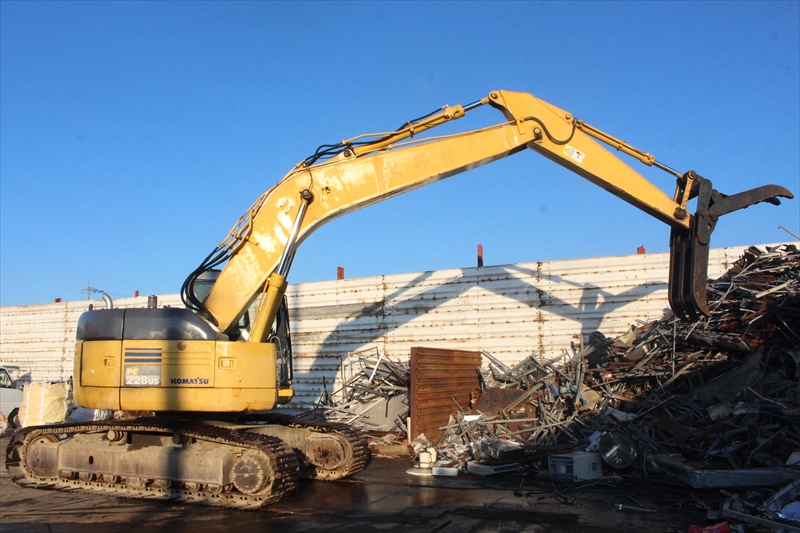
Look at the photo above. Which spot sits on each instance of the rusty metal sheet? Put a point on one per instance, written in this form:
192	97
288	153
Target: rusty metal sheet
506	403
439	379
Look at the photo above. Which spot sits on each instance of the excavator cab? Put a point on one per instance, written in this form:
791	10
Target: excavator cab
279	334
202	287
281	337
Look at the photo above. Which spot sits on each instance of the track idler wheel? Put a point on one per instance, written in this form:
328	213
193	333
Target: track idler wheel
250	474
41	456
326	453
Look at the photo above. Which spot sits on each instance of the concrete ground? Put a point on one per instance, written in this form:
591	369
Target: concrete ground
382	498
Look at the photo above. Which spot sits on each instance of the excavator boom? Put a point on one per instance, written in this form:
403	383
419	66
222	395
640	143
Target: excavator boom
260	248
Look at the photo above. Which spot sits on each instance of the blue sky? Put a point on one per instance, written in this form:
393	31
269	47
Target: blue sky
134	134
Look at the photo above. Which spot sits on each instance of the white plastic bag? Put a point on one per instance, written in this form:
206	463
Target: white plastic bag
82	414
43	404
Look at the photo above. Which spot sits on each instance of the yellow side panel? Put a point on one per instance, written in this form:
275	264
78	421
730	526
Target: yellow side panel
141	375
237	376
169	363
99	364
96	397
248	365
197	399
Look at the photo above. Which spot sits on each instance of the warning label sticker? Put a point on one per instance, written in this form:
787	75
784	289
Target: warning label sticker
574	154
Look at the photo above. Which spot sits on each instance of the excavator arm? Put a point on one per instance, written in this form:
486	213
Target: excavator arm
368	169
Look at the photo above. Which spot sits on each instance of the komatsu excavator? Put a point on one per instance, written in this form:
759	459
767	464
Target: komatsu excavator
212	370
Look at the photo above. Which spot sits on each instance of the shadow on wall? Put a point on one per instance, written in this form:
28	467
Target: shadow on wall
594	304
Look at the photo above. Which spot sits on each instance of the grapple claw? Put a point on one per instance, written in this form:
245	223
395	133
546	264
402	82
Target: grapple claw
689	249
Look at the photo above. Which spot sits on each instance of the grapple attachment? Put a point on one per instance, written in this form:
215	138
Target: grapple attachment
689	249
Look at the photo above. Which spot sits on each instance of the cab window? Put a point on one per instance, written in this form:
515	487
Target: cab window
5	380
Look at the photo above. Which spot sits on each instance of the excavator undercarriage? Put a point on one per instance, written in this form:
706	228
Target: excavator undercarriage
244	466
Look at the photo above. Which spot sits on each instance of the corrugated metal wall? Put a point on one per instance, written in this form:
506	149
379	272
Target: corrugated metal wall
510	311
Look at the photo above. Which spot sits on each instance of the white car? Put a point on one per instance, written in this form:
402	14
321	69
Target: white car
10	399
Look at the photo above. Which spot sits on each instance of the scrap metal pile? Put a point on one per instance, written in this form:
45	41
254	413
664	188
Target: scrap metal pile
714	403
721	392
374	395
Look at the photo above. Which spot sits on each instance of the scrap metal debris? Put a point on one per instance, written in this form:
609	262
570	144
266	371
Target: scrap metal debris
374	396
713	403
720	393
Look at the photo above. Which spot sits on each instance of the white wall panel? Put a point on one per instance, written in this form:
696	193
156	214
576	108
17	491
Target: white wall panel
510	311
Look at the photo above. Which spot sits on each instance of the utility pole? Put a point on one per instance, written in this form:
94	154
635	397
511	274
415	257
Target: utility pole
89	290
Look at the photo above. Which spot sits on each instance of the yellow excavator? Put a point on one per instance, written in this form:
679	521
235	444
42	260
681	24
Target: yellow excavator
212	371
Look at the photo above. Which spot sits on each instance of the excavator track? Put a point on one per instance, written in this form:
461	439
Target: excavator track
357	454
264	469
